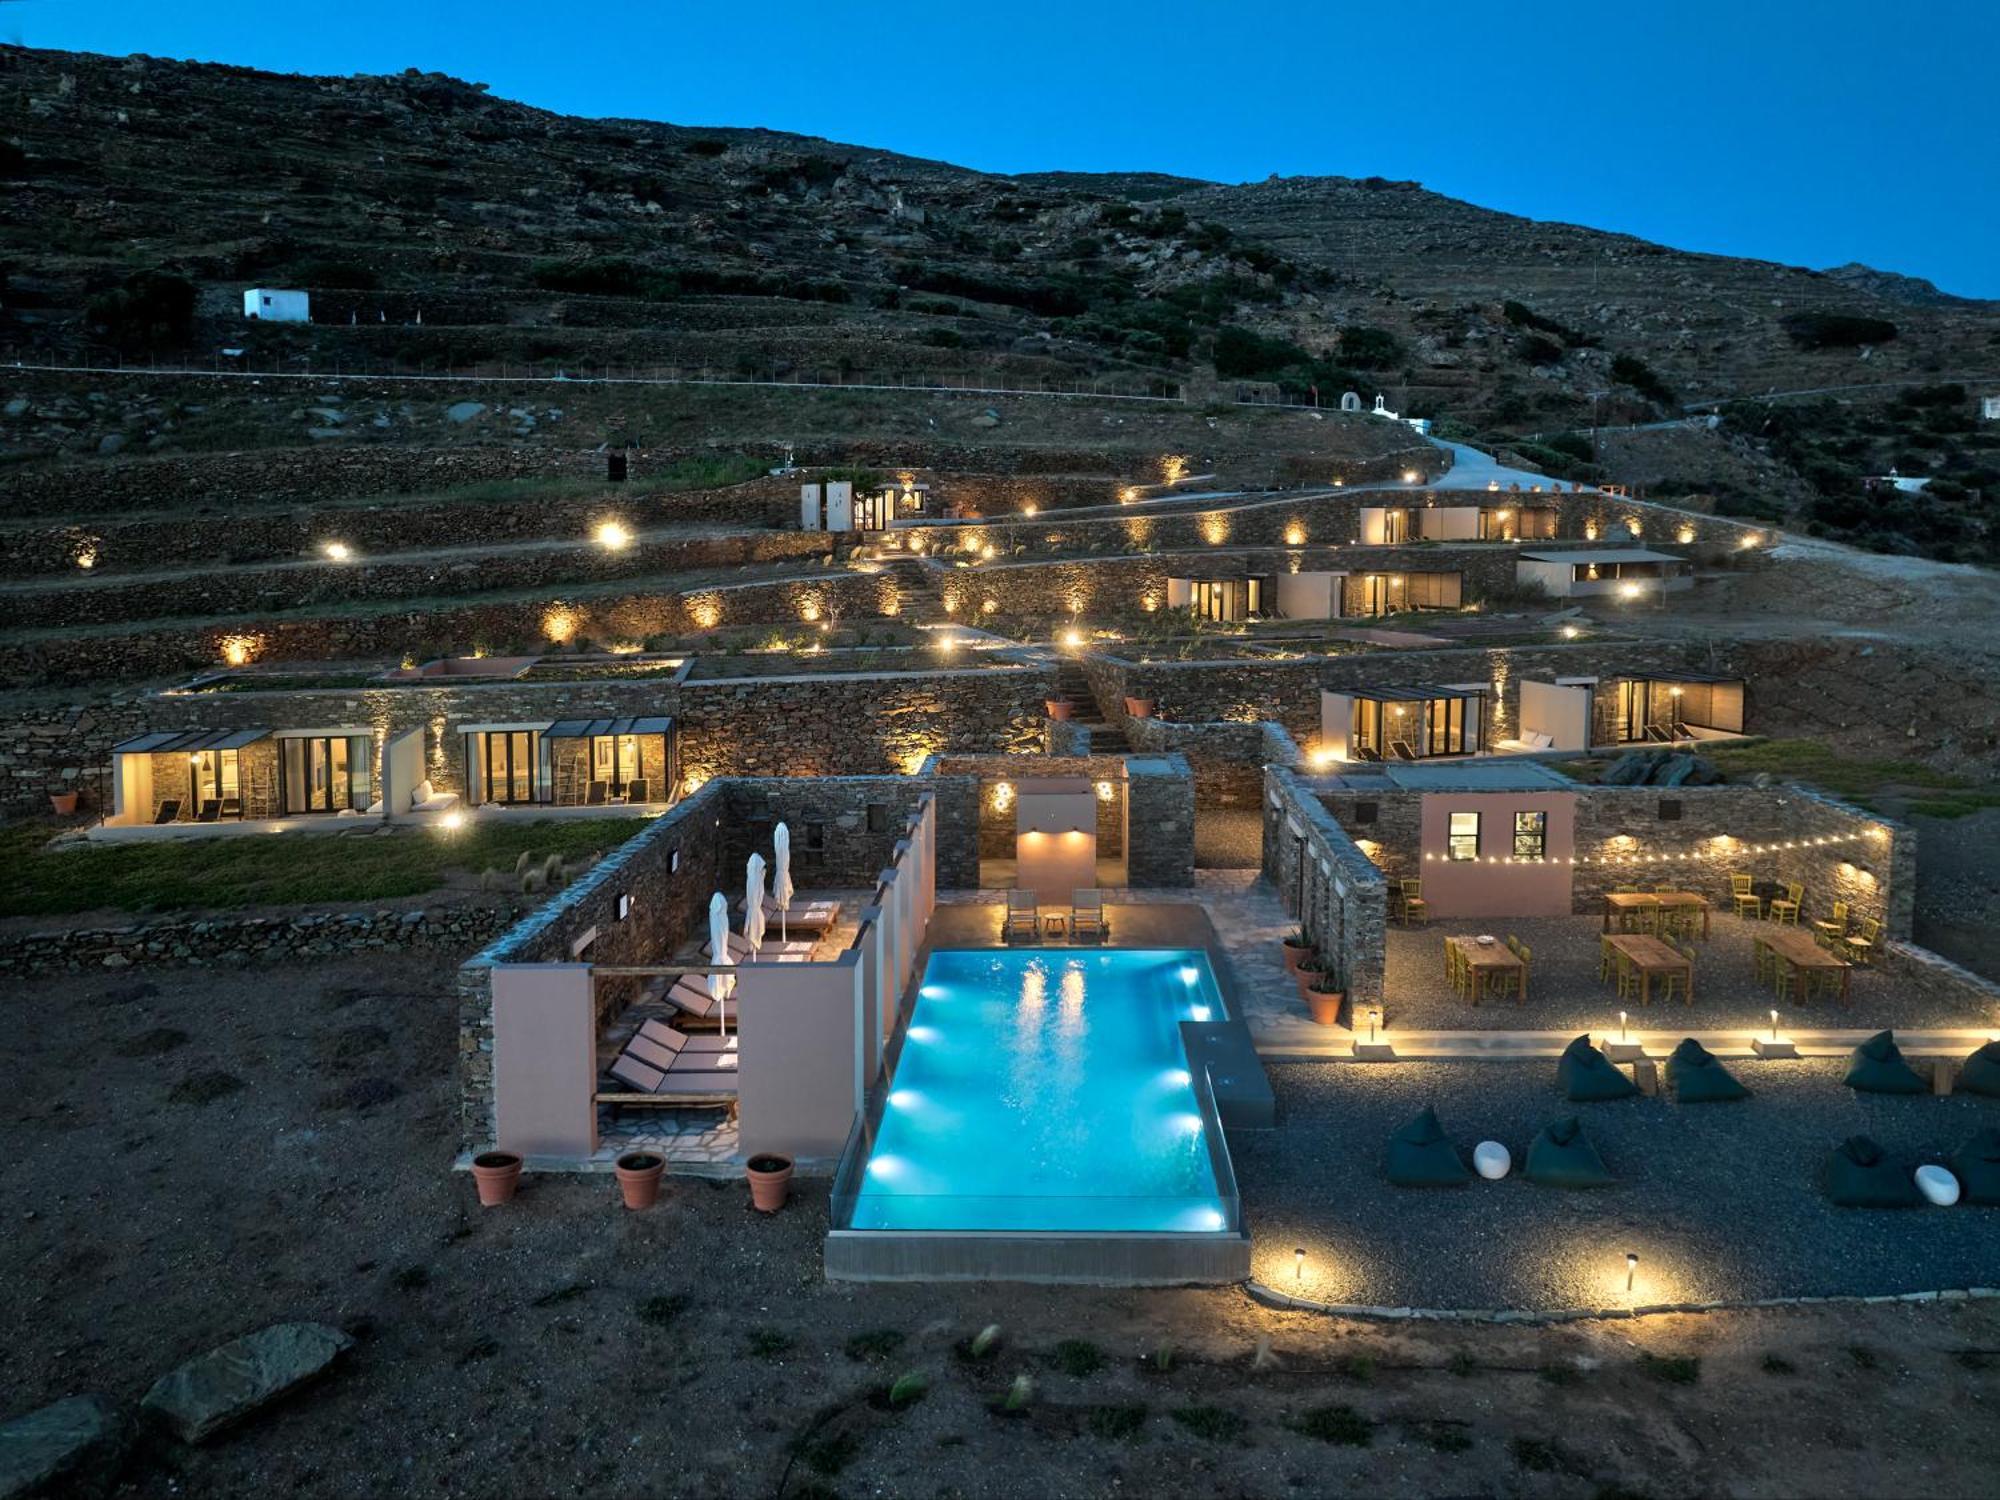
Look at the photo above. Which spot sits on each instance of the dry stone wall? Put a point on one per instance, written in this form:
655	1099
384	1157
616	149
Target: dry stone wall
1327	882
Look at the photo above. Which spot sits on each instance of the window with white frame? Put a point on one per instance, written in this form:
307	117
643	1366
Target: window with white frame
1462	836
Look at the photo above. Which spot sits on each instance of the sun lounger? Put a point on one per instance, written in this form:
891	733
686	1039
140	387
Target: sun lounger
1402	750
211	810
803	916
170	810
635	790
660	1031
1087	915
660	1072
596	794
1024	916
769	952
688	994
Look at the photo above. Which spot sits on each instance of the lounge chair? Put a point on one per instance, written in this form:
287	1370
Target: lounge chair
170	811
1024	917
804	916
597	792
688	994
661	1033
1087	915
635	790
769	951
210	810
665	1070
1402	750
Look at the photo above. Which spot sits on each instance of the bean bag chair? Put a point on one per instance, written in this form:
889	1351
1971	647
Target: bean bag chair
1421	1155
1980	1073
1697	1078
1586	1076
1878	1068
1562	1156
1860	1175
1976	1165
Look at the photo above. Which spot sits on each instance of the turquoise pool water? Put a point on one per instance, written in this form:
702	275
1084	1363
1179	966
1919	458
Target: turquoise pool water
1047	1089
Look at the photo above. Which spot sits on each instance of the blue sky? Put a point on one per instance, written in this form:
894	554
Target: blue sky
1806	131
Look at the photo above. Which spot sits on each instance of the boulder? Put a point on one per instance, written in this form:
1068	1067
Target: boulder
243	1376
464	411
72	1447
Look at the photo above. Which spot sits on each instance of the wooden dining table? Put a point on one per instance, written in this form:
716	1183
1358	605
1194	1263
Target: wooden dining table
1616	902
1487	959
1798	948
1650	956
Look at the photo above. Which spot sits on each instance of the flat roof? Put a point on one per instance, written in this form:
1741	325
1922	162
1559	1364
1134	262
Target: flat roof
1605	555
581	729
1407	694
1675	677
1497	775
165	741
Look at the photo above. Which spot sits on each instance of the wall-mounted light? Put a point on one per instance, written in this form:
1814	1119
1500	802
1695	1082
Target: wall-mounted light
1104	791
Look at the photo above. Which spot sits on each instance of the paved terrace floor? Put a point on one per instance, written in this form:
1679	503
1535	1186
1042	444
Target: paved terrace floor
1719	1201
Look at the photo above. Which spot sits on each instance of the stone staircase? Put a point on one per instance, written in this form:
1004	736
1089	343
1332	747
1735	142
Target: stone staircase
916	592
1105	738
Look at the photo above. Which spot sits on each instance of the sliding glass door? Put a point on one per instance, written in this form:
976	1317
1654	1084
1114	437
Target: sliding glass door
324	773
507	761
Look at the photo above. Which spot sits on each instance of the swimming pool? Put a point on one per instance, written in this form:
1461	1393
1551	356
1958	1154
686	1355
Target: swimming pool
1047	1090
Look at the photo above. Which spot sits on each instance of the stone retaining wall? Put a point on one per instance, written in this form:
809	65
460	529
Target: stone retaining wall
234	941
1340	899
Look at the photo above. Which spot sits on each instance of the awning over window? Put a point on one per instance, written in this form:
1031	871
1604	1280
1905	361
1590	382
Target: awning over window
188	740
586	729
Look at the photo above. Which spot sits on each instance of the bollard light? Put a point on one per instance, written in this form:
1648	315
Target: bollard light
1299	1265
1621	1025
1774	1025
1631	1269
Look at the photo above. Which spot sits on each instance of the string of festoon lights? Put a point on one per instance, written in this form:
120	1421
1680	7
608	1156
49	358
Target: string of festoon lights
1726	847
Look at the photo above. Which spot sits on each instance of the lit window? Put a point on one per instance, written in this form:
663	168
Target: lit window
1464	836
1531	835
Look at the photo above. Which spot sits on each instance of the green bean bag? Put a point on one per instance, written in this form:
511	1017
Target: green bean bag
1980	1073
1878	1068
1562	1156
1586	1076
1859	1174
1976	1165
1697	1078
1421	1155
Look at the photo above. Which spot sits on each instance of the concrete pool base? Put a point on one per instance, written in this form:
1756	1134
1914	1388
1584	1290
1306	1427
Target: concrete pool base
1066	1259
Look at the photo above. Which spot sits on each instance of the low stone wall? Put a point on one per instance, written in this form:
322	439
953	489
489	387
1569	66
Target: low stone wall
1156	804
218	593
1227	760
234	941
1340	899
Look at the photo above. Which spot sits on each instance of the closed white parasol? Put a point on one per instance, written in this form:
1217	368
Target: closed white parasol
781	874
721	986
753	903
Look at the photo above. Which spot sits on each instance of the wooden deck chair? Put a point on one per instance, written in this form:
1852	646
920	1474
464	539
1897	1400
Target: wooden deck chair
210	811
635	790
1402	750
170	811
1087	915
595	794
1024	917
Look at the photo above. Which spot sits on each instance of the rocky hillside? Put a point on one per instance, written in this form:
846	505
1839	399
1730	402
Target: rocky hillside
437	226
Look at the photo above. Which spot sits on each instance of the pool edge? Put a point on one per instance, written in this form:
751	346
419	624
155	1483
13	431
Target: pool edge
1067	1258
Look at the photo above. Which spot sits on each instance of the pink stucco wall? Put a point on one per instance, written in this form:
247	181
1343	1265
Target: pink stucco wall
1491	886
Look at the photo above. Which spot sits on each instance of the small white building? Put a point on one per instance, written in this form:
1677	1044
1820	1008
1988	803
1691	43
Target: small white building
273	305
1989	408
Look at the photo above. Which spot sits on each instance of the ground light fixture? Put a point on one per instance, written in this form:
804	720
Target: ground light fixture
1299	1265
1774	1025
1411	476
451	822
612	537
1621	1025
1072	638
337	551
1374	1021
1631	1268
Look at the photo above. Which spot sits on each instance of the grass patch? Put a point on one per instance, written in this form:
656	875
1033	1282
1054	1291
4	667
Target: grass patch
1538	1455
1808	760
1213	1424
1673	1369
411	1278
1079	1358
1864	1357
235	872
204	1088
1954	804
1444	1436
1777	1364
830	1454
878	1343
1115	1423
1462	1364
1561	1375
1359	1368
767	1343
1337	1424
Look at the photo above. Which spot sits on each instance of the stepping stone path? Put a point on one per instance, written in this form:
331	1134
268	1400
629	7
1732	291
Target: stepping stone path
227	1384
71	1447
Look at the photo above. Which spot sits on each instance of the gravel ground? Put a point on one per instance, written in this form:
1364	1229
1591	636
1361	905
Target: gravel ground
1228	839
1565	994
1719	1201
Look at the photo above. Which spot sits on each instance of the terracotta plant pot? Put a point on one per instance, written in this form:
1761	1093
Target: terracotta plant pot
1326	1006
770	1181
1058	708
496	1174
639	1175
63	803
1295	954
1139	708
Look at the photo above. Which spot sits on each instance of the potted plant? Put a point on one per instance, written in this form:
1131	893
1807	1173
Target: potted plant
1296	950
639	1175
1139	708
770	1175
1326	997
63	803
496	1174
1058	708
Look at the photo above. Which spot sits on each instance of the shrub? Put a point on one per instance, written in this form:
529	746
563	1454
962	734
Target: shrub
1828	330
1537	350
1369	348
148	310
1078	1358
1337	1424
1629	370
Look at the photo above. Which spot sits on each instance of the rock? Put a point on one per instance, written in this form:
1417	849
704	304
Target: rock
73	1446
111	442
225	1385
17	407
464	411
116	961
